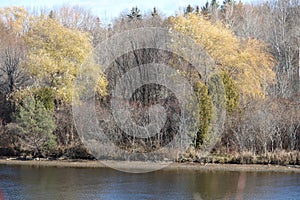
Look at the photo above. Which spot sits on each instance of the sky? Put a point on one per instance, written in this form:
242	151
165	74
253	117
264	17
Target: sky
107	10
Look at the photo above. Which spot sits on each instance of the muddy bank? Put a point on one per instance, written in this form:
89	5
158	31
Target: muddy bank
150	165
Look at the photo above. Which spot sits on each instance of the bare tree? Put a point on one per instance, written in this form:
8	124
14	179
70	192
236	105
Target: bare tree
12	55
277	23
13	75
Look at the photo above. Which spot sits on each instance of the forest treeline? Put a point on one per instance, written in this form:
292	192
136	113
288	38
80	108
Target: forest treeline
255	49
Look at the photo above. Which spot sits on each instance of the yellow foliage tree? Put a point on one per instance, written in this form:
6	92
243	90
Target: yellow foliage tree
15	19
56	54
247	61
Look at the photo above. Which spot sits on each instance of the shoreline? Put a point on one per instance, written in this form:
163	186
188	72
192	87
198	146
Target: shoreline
152	165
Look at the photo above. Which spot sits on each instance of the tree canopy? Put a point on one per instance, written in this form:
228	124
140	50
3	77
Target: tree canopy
253	50
247	61
55	55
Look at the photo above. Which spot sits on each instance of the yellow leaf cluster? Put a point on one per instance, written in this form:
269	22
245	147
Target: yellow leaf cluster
55	54
247	61
14	18
90	82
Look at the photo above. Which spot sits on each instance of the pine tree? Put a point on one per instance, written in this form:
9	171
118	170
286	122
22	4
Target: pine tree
226	4
205	9
34	125
154	12
134	14
51	15
189	9
197	10
214	4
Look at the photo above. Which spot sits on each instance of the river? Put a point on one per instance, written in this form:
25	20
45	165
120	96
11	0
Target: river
25	182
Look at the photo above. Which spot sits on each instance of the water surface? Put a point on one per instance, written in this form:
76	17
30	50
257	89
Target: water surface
25	182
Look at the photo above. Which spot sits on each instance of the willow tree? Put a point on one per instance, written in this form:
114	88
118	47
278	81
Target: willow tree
243	65
247	61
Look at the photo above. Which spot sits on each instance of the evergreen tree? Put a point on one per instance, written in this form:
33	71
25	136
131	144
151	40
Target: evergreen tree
154	12
232	93
51	14
214	4
134	14
205	112
226	4
205	9
189	9
197	10
34	125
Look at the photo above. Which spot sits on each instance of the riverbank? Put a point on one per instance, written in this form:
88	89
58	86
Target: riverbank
149	165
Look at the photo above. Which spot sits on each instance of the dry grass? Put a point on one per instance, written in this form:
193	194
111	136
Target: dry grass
278	157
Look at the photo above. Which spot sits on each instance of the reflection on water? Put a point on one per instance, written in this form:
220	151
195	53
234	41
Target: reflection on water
23	182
